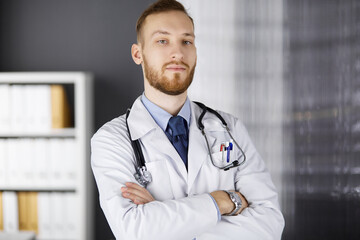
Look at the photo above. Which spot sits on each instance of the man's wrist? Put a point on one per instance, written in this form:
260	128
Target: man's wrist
235	198
226	205
223	201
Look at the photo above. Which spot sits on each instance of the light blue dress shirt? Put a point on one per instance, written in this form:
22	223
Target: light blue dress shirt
161	116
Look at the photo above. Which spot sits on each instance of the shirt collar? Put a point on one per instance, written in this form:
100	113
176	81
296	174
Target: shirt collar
161	116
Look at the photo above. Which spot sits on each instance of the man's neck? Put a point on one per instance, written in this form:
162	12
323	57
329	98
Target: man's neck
171	104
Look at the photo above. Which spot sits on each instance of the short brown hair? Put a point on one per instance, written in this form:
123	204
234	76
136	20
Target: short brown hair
158	7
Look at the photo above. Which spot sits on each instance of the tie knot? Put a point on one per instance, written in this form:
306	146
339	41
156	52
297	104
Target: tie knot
177	125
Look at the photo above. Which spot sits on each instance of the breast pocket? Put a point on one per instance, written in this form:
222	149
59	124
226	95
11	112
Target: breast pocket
160	187
218	178
221	158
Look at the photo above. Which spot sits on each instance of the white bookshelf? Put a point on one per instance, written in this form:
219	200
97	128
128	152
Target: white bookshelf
79	136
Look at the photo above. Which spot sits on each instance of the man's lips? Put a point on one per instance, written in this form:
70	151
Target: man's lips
175	68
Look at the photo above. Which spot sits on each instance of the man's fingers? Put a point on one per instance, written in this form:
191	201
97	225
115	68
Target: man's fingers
134	198
136	193
145	193
142	192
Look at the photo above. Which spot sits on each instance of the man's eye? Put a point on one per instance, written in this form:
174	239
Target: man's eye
162	41
187	42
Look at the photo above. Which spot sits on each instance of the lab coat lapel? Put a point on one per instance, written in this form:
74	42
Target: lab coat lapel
158	141
198	150
142	125
140	121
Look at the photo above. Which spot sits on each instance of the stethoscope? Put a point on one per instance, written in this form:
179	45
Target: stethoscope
143	176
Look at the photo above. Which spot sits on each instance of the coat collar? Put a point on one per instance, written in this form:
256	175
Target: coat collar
140	121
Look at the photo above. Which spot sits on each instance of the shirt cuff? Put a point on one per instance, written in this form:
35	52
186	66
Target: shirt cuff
217	208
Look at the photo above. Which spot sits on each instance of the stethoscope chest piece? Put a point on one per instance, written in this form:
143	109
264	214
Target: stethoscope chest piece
143	176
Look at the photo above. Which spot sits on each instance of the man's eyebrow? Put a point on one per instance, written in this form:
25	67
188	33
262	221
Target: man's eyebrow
160	32
167	33
189	35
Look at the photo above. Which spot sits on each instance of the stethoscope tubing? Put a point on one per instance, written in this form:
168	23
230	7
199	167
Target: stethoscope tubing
201	126
144	177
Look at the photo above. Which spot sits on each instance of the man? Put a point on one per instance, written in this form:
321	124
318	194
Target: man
186	198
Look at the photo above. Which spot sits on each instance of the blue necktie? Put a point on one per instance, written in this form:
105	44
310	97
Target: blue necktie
179	136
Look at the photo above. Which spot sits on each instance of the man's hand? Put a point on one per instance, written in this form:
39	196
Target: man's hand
136	193
225	204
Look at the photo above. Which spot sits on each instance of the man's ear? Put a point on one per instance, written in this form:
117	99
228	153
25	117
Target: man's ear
136	53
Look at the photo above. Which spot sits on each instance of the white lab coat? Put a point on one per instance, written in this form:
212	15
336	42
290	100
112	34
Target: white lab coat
183	208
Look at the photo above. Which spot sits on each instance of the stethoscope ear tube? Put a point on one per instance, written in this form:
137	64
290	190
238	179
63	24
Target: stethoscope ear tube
140	160
201	126
204	110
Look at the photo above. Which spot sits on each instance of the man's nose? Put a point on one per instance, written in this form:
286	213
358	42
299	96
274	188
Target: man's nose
177	52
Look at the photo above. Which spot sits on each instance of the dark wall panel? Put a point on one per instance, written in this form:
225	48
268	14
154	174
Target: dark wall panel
323	68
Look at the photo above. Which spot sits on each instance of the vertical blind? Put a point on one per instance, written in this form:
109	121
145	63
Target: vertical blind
240	69
290	70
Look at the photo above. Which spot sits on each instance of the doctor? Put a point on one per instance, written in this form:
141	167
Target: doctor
188	196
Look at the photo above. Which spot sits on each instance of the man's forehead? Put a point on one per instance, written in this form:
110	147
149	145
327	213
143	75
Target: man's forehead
167	23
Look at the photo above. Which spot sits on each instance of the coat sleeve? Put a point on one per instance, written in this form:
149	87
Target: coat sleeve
263	218
112	163
254	181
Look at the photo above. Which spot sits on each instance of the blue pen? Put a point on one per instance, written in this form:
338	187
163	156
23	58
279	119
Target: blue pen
229	148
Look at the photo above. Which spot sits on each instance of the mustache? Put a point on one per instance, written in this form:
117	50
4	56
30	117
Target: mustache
176	63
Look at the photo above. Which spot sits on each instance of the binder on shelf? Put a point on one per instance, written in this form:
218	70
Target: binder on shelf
3	162
30	105
42	162
23	211
5	107
1	213
13	162
17	101
71	216
33	212
56	154
69	163
42	110
10	212
28	214
58	214
25	162
44	217
60	109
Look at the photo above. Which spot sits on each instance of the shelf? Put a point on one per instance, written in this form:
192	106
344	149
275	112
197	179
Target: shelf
37	189
55	133
53	163
21	235
41	77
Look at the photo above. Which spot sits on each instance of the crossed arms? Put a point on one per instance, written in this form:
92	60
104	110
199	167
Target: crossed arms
133	213
139	195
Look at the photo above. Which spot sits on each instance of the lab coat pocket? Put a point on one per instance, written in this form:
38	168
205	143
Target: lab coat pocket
220	158
160	187
217	158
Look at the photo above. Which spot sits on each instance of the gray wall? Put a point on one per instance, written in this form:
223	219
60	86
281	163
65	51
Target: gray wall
322	69
82	35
